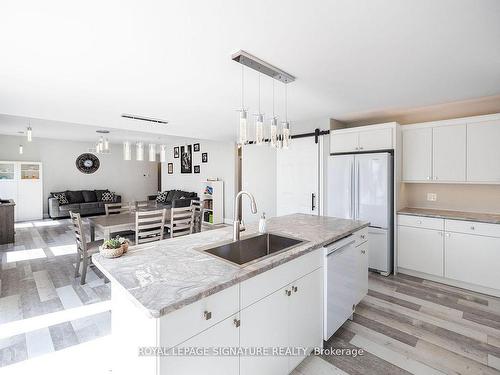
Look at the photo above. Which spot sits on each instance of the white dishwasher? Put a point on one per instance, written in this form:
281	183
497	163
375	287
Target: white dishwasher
340	284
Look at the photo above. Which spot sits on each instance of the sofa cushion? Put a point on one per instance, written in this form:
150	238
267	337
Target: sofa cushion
61	198
90	205
89	196
178	194
75	207
75	196
99	193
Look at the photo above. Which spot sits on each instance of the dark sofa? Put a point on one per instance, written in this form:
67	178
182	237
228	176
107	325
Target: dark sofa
86	202
177	198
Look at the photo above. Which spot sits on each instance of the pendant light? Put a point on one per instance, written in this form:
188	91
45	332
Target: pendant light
259	124
127	151
273	139
285	130
163	153
29	132
139	151
152	152
106	145
21	149
243	138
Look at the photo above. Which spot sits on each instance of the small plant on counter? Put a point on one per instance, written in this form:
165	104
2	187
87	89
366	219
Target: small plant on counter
114	247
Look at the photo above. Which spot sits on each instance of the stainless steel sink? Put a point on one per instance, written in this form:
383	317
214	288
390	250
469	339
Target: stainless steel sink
253	248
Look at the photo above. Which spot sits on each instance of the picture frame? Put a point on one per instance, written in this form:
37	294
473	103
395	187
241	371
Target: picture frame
186	159
204	157
196	169
196	147
176	152
170	168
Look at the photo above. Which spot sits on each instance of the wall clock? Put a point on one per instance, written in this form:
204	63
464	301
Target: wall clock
87	163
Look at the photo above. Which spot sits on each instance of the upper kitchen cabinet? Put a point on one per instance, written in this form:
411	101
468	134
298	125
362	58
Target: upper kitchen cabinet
363	138
483	152
449	153
417	154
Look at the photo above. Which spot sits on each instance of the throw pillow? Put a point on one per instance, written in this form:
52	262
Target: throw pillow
99	194
108	196
89	196
61	198
162	197
75	196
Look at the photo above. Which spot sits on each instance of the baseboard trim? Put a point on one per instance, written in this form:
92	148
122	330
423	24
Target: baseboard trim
458	284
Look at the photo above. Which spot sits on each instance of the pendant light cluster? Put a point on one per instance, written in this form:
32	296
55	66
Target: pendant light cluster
29	137
277	136
140	149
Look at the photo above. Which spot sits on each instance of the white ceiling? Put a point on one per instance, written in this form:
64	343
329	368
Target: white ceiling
88	62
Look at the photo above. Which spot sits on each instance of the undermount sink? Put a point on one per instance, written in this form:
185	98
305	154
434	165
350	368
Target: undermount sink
253	248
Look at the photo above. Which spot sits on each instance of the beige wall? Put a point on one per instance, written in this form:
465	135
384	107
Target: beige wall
464	197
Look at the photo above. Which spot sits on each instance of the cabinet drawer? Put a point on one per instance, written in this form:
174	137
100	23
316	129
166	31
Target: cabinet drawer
360	237
421	222
471	227
270	281
184	323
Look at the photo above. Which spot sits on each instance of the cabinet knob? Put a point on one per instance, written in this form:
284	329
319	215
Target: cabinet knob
295	289
448	235
207	315
237	322
473	227
419	221
428	177
363	251
363	236
288	293
361	148
357	148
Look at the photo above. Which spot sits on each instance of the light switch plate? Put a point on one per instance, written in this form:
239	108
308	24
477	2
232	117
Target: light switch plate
431	197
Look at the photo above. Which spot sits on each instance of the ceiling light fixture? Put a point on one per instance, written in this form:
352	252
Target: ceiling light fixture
163	153
29	132
21	149
144	118
139	151
127	151
278	137
152	152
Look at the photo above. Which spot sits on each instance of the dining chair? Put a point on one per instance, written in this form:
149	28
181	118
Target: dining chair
149	226
196	207
84	249
181	221
117	208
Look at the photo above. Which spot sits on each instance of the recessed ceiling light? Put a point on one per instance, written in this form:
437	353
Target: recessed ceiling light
144	118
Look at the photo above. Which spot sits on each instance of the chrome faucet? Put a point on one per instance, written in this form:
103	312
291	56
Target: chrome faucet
237	222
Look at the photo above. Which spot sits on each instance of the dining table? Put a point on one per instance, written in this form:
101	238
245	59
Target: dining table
114	223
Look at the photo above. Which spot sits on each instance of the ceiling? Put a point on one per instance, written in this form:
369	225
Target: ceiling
88	62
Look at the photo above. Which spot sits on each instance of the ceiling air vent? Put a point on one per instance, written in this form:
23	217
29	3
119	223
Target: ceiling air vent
144	118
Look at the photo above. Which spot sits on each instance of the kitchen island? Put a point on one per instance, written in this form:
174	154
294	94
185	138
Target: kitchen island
172	294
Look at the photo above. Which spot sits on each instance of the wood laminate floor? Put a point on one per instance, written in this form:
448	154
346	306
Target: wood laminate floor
405	325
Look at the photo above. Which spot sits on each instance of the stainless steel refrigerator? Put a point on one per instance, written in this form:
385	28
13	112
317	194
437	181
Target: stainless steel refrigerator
360	187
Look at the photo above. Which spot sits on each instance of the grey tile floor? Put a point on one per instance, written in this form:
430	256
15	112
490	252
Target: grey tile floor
405	325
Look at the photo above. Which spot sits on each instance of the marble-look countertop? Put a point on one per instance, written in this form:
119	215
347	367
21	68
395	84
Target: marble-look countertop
169	274
454	215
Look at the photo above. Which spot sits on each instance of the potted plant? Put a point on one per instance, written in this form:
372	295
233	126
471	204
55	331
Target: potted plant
114	247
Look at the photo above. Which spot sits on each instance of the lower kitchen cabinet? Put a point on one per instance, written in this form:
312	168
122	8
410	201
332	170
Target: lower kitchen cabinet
421	250
224	334
473	259
362	274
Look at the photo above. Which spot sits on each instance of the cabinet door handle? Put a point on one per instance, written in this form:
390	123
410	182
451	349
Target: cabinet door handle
473	227
419	221
363	251
207	315
448	235
288	293
363	236
295	289
237	322
313	202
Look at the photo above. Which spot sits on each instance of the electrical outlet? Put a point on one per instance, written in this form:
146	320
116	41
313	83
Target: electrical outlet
431	197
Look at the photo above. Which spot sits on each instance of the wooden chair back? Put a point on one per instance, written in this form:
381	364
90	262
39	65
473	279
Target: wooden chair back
81	242
196	207
181	221
149	226
117	208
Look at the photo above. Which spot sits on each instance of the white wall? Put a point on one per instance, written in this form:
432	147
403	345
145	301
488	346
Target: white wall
259	178
221	164
132	180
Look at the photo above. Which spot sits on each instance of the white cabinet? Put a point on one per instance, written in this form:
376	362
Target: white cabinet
473	259
222	335
417	154
363	138
265	324
483	152
22	182
305	314
448	153
362	272
421	250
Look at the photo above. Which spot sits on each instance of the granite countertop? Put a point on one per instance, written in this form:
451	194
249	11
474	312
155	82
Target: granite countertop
454	215
169	274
